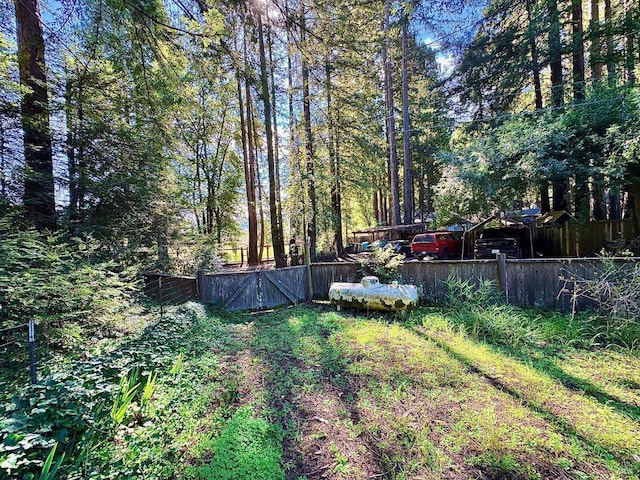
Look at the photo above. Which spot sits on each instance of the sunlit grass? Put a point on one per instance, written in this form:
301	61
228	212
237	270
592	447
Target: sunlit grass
425	409
441	394
597	423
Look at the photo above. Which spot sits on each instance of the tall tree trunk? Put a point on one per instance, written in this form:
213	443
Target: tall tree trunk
406	125
615	212
630	64
249	170
253	134
394	180
535	63
312	228
611	62
599	208
581	176
595	57
431	183
560	184
3	167
336	209
421	192
39	192
72	166
555	55
297	204
545	201
276	142
277	237
578	51
376	207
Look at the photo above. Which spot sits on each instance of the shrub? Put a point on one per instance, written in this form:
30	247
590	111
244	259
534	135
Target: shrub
383	264
614	293
60	284
82	406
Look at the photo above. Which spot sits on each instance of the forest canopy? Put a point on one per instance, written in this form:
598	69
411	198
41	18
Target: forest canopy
162	131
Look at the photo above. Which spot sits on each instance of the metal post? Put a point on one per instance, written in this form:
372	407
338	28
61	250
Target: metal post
32	351
161	296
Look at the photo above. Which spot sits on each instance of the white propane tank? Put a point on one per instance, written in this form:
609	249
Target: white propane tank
373	295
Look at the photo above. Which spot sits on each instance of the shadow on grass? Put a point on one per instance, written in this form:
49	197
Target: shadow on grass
566	427
293	343
544	360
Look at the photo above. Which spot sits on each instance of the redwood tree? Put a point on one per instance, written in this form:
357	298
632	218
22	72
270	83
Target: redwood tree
39	199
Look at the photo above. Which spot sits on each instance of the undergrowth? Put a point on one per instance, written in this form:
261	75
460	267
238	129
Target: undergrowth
247	448
123	413
477	308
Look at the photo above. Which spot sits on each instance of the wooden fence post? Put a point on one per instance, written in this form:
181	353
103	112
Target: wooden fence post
307	262
200	282
161	296
501	270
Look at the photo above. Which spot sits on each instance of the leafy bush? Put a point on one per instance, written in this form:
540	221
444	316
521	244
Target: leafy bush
83	405
189	258
59	283
383	264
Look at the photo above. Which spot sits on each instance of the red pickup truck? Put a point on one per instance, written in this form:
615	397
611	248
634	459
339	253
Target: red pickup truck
436	244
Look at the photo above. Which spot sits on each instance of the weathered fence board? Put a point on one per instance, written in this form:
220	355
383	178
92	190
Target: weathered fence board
430	277
168	289
324	274
530	282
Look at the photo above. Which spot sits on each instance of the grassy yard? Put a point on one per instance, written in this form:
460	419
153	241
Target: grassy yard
310	393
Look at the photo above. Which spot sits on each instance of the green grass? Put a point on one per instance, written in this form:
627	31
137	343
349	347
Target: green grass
305	392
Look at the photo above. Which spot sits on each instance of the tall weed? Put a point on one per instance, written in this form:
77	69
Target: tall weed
613	295
478	309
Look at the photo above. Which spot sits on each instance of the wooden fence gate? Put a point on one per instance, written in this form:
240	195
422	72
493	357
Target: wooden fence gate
256	290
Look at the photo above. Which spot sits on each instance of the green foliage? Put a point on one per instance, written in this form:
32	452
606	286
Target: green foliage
247	448
68	406
190	254
614	294
504	162
478	310
383	264
60	284
49	469
465	293
124	396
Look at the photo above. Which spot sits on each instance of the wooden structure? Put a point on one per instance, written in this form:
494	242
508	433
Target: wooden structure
254	290
168	289
541	283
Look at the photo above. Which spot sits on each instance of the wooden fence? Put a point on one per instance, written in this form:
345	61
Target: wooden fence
255	290
540	283
167	289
